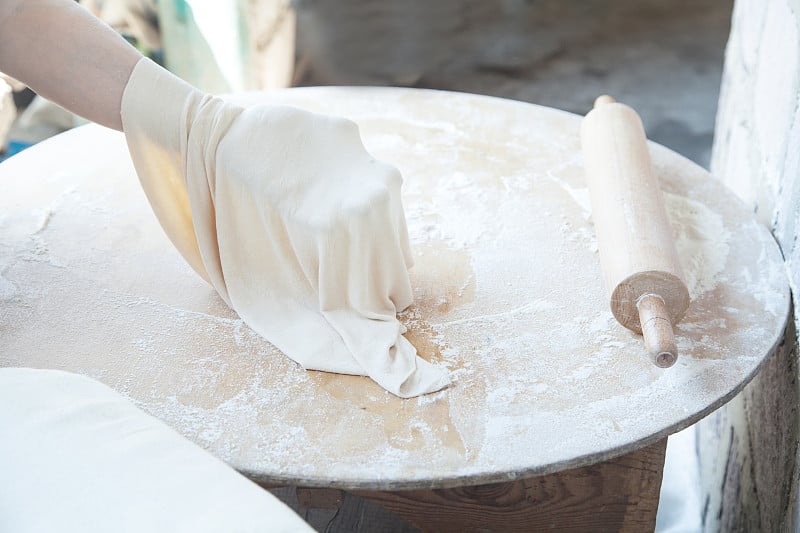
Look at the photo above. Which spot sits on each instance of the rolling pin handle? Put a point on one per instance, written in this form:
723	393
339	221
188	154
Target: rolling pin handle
604	99
659	339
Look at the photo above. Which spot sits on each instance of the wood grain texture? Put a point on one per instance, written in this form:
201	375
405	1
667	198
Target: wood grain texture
659	339
620	495
749	449
320	498
353	515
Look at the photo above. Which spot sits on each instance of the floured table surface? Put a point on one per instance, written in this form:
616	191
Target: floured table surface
508	292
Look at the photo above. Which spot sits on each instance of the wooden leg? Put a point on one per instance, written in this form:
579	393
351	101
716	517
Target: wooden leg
319	498
620	495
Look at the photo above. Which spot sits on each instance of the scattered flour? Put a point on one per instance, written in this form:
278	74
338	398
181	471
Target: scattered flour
7	289
702	242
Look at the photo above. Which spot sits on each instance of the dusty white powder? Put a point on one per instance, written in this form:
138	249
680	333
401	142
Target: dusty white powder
7	289
701	239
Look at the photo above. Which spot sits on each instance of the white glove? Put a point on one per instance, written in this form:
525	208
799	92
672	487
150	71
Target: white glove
297	227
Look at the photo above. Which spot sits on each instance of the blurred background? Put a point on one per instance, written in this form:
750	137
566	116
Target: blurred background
663	58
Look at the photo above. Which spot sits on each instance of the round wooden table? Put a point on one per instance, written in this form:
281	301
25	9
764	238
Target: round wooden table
508	297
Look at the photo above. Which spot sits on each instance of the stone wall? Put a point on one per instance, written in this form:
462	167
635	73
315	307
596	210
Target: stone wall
749	449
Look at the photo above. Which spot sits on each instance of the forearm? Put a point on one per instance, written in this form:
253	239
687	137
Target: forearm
66	55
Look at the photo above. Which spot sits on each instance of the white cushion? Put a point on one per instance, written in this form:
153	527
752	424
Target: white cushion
77	456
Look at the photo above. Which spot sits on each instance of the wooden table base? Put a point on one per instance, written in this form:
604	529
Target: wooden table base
620	495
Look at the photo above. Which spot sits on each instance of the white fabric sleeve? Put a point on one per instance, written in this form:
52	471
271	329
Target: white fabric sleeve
75	456
291	220
156	127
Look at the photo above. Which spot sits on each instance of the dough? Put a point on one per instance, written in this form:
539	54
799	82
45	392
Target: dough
290	219
77	456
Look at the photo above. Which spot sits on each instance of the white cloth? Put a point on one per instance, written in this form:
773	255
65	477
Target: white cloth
680	506
75	456
297	227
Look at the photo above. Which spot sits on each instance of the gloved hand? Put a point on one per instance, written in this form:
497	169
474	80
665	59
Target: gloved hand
292	221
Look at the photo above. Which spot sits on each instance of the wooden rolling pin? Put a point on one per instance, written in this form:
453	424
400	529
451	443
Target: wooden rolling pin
640	264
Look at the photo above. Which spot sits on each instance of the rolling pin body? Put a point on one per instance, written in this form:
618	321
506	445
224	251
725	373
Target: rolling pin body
638	257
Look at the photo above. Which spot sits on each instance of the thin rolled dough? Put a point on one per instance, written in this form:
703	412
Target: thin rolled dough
286	214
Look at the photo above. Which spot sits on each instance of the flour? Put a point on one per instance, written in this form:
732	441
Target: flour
7	289
701	240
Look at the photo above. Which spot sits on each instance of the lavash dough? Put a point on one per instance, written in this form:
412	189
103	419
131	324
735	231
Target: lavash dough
291	220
